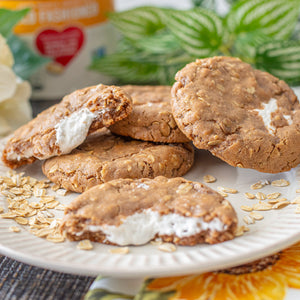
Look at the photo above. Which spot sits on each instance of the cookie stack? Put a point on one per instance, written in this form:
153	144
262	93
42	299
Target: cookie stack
124	148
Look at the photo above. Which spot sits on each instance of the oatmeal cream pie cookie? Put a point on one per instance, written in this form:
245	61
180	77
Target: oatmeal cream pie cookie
134	212
104	157
64	126
151	118
246	117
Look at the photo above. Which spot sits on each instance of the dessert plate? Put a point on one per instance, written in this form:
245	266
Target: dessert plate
277	230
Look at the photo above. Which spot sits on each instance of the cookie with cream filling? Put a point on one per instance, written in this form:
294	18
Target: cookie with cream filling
62	127
134	212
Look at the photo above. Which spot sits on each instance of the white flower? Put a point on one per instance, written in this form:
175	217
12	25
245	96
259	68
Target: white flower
15	109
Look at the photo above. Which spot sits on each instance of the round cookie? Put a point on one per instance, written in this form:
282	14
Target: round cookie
151	118
104	157
244	116
62	127
133	212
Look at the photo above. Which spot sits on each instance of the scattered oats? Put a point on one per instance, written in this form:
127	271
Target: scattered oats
52	204
60	207
54	224
120	250
61	192
44	232
1	209
84	245
262	206
55	238
281	199
14	229
256	216
296	200
47	199
273	195
37	192
48	214
260	196
17	191
273	201
32	221
281	204
55	187
42	219
256	186
223	193
227	190
8	215
37	205
246	208
33	212
21	221
167	247
7	194
248	220
249	195
280	183
239	231
209	178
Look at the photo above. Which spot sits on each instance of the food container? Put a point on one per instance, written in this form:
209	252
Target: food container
69	32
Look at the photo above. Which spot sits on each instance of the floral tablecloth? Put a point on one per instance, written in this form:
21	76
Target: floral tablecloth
275	277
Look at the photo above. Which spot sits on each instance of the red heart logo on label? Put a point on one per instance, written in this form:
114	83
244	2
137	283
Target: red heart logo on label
61	46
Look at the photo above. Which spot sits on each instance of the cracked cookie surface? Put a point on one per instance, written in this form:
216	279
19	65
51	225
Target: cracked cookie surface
62	127
151	118
104	157
244	116
133	212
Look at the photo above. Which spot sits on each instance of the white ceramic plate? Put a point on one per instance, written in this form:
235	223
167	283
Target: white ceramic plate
278	229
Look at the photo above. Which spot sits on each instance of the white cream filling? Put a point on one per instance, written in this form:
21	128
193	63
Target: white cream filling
266	112
140	228
143	186
72	130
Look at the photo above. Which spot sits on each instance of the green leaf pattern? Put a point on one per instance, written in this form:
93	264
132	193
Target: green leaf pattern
158	42
199	31
280	58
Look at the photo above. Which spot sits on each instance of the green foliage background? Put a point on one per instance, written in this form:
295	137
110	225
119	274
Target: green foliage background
157	42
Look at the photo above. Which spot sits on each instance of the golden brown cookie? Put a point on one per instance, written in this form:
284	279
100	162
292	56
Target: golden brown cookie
104	157
62	127
133	212
151	118
246	117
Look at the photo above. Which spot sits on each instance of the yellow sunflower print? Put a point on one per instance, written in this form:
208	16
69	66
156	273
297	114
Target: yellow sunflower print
265	279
